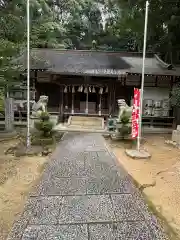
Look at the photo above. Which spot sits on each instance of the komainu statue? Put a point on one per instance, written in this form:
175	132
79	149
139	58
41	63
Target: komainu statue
40	106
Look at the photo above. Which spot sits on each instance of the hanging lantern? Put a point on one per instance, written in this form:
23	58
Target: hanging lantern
73	89
79	89
94	90
85	90
65	89
106	90
101	91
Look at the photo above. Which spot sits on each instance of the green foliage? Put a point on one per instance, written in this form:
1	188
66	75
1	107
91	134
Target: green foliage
124	127
77	23
45	30
124	118
125	130
1	101
175	96
44	125
44	116
163	25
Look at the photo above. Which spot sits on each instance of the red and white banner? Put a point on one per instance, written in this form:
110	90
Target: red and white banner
135	113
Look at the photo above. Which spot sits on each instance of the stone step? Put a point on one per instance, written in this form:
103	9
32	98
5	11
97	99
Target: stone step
86	122
86	119
85	127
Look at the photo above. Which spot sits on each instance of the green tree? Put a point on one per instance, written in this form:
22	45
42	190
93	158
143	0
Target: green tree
46	31
11	43
163	24
175	96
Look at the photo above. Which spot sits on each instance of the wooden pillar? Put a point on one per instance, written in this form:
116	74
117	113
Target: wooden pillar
72	108
110	99
100	103
66	97
87	94
113	97
156	81
61	108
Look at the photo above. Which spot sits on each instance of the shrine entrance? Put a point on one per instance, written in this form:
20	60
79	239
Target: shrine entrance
92	103
85	100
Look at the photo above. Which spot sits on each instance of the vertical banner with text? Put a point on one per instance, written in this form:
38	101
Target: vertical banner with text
135	113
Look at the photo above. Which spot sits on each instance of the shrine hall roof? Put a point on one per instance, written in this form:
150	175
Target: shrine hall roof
77	62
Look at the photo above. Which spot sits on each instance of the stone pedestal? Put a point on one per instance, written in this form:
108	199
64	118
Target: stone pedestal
32	121
176	135
142	154
54	119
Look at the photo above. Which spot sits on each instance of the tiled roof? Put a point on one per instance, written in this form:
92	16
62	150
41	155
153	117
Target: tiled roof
95	62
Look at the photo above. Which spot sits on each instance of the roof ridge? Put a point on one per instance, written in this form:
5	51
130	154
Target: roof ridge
123	53
162	63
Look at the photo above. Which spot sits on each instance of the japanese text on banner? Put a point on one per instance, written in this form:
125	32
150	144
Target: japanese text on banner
135	113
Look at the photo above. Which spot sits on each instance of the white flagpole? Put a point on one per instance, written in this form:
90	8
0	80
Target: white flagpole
28	76
142	80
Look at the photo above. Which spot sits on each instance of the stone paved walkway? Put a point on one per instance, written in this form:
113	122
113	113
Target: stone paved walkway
85	195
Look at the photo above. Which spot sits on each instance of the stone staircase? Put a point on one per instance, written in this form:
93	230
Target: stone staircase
83	122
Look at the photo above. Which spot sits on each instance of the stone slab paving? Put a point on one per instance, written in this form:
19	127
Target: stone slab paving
85	195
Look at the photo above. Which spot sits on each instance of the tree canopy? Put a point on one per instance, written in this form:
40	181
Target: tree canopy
111	24
163	24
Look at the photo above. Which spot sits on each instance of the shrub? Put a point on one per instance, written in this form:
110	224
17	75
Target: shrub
124	118
44	116
44	125
125	130
47	127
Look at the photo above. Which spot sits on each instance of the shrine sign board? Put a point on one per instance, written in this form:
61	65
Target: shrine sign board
9	114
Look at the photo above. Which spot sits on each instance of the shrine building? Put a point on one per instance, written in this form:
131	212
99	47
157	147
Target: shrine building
88	83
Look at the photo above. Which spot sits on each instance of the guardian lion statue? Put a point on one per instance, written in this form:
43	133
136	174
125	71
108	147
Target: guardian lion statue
40	106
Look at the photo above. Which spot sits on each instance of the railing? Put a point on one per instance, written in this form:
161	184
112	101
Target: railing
157	122
20	118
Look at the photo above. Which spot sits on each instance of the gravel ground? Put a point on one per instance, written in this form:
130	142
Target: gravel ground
84	195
